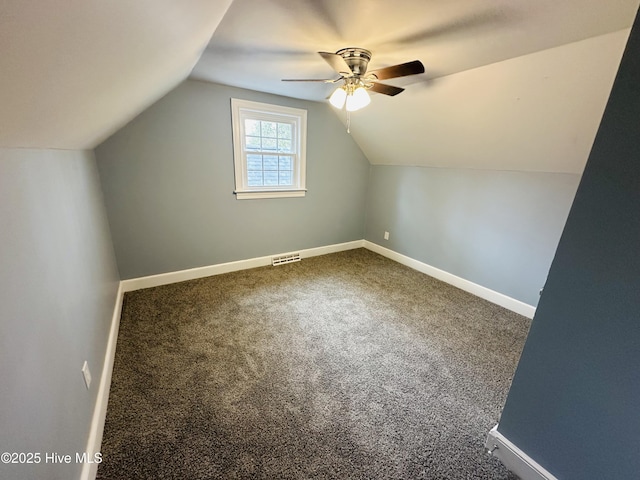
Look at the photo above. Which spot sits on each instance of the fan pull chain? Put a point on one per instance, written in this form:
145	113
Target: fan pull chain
348	122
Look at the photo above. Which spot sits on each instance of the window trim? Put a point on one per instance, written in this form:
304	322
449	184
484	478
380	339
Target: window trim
241	109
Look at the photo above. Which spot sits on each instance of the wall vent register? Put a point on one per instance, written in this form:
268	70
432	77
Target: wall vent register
281	259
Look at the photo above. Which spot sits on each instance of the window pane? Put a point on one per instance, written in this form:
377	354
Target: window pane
252	127
254	179
284	145
270	162
284	130
269	144
269	129
271	178
254	162
286	178
252	143
286	163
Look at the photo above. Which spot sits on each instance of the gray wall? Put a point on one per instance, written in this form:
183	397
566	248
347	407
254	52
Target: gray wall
573	404
498	229
168	180
58	281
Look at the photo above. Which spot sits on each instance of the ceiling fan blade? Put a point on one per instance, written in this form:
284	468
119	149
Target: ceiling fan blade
323	80
401	70
385	89
337	63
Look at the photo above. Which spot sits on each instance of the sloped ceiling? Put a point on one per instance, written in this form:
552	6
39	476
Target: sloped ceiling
538	112
73	71
488	99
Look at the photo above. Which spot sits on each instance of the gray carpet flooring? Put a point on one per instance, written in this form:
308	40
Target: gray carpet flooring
343	366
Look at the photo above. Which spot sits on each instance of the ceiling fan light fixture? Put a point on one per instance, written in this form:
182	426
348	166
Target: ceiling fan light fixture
338	98
358	99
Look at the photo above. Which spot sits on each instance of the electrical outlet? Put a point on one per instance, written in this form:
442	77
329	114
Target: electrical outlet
386	235
86	374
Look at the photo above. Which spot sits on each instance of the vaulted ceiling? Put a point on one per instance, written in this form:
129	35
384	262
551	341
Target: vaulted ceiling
509	84
494	96
259	42
74	71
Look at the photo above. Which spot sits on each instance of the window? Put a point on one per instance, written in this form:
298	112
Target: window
268	150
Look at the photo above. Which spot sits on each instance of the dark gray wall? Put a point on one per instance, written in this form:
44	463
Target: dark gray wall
498	229
58	281
168	180
573	404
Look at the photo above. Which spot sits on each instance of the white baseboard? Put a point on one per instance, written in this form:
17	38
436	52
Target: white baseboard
515	459
90	470
200	272
477	290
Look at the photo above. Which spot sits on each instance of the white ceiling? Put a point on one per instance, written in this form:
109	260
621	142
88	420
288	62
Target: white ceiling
259	42
476	106
73	72
538	112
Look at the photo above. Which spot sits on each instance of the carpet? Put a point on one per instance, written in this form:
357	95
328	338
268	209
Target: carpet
342	366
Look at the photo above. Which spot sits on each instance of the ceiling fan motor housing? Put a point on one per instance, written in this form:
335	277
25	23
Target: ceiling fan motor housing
356	58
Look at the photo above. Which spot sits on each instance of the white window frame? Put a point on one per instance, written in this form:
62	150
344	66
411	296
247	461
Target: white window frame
245	109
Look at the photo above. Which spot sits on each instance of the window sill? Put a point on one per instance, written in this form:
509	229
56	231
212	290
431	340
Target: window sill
254	194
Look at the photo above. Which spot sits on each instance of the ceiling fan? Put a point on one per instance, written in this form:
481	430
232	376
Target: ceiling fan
351	63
